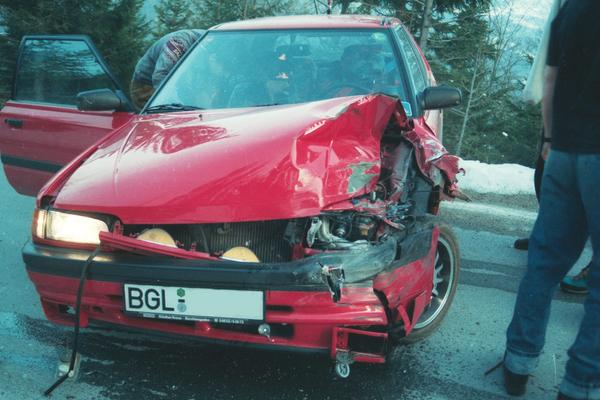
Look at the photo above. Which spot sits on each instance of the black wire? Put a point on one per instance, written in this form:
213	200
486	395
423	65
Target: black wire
84	270
495	367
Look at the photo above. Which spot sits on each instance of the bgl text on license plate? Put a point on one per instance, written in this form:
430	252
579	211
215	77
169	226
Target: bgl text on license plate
194	304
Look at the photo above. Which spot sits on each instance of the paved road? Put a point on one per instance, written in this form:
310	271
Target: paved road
448	365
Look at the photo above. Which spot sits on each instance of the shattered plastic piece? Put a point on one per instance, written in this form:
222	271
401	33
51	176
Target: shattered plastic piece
431	155
312	231
334	276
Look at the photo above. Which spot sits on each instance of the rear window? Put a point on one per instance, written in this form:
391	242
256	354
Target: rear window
55	71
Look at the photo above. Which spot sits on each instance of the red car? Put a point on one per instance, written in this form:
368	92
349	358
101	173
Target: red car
278	190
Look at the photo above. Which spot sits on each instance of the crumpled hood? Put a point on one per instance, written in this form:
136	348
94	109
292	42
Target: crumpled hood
234	165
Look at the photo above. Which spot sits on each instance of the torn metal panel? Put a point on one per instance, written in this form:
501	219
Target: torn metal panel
432	156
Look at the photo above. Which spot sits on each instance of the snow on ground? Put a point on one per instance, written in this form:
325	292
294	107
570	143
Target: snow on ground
509	179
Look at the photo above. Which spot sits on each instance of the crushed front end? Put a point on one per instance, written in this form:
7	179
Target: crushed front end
329	248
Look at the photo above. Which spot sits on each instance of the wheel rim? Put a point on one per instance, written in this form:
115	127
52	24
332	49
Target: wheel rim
443	276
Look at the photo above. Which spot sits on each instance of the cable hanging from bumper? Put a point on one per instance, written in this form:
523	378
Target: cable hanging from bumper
84	272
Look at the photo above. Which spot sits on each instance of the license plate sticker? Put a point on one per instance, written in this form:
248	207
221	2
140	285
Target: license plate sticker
194	304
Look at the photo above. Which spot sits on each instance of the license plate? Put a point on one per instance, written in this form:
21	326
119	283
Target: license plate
194	304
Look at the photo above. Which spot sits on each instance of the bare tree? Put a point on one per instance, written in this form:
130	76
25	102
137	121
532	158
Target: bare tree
426	25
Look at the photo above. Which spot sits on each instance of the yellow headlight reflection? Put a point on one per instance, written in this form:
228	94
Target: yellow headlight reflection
73	228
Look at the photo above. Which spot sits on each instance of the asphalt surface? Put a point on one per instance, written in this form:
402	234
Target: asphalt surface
448	365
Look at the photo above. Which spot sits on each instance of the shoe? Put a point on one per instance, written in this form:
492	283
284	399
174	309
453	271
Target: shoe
564	397
521	244
515	384
576	284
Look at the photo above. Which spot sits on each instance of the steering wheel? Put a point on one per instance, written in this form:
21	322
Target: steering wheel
356	89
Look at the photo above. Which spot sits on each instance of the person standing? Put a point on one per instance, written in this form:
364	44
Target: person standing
532	94
158	61
569	210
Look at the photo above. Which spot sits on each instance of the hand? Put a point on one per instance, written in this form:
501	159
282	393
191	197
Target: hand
546	150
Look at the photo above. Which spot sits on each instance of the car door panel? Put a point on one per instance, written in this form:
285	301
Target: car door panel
41	129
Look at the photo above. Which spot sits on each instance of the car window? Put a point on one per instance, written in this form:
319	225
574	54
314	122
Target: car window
55	71
414	61
255	68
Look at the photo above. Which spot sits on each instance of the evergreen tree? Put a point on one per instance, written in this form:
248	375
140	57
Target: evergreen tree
115	26
476	53
419	16
172	15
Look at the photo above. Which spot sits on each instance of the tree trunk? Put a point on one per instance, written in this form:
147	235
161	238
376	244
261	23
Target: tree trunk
245	12
425	25
465	121
345	6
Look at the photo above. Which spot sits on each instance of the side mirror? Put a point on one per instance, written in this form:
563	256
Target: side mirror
98	100
436	97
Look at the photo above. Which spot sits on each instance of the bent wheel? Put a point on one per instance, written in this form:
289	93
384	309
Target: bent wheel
445	281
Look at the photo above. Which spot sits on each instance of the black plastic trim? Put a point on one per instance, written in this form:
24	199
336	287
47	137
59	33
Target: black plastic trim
31	164
408	79
119	267
360	266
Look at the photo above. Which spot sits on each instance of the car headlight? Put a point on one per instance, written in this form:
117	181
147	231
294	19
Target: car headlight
65	227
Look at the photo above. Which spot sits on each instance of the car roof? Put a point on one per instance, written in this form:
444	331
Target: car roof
311	21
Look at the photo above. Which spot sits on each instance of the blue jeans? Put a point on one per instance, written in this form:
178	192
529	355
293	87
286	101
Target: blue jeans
569	213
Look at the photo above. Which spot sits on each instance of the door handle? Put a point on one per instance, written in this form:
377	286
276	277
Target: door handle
15	123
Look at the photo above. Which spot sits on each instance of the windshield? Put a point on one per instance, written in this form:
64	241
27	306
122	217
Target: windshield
260	68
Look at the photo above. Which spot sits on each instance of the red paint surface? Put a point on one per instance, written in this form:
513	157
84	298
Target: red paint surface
264	163
236	165
239	165
312	314
49	134
24	180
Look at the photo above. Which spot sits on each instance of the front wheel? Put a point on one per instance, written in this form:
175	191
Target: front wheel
445	281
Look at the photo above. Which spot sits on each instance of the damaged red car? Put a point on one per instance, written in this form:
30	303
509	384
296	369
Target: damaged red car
278	190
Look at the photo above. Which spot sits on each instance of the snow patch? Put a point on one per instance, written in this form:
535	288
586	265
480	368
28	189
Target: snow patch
509	179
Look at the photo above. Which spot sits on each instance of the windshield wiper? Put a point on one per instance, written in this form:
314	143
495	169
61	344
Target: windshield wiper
171	107
267	105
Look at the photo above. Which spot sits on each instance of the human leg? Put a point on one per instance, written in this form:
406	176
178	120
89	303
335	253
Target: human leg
523	243
556	242
582	377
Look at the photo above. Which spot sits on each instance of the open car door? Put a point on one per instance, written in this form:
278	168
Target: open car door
41	128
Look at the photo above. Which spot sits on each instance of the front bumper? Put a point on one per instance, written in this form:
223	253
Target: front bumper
298	300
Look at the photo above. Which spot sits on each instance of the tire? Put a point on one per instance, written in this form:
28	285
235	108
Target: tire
448	258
